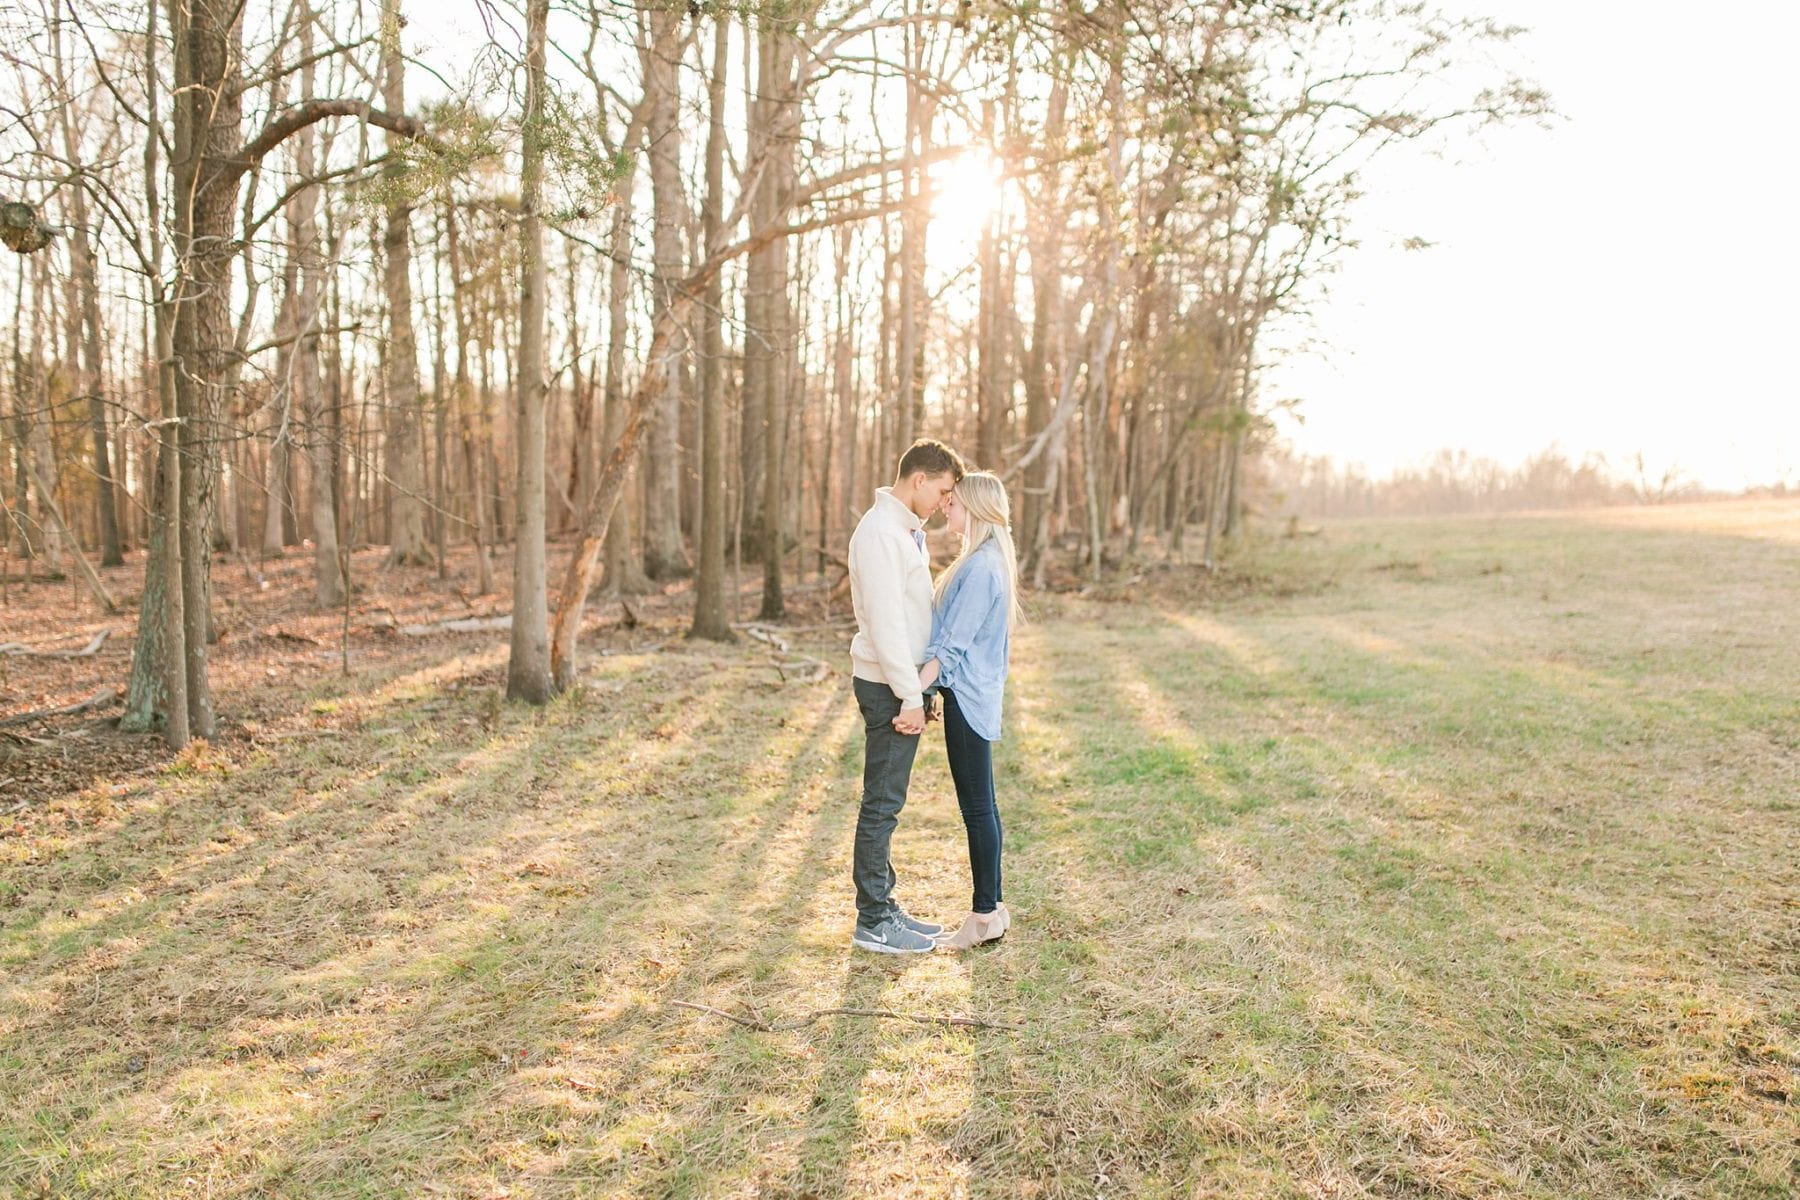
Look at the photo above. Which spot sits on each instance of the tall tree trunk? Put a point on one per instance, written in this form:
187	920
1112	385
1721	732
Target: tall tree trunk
85	267
780	111
305	376
157	687
624	566
1098	422
836	531
990	402
1046	320
470	426
908	354
664	556
208	116
40	458
403	422
710	618
528	669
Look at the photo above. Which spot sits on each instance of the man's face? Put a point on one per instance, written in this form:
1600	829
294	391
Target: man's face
929	492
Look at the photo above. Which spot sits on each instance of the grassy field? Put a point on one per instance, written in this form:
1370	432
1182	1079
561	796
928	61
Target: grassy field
1454	858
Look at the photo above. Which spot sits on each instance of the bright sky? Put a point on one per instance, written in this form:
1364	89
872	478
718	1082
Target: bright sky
1623	282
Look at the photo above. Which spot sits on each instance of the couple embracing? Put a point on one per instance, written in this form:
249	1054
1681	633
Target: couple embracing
915	638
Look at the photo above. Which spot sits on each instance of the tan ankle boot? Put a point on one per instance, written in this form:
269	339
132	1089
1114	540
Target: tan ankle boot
975	929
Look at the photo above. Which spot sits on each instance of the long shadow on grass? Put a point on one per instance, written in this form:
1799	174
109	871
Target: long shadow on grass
806	1150
416	1047
743	934
1364	923
594	1003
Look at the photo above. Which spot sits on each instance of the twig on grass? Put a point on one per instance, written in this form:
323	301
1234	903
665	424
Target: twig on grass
877	1013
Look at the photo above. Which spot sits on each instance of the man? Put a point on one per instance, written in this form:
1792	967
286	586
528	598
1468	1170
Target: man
890	589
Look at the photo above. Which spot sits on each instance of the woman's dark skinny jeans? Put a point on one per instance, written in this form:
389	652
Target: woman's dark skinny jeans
972	767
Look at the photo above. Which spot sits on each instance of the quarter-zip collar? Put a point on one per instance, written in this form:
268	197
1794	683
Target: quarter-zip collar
907	516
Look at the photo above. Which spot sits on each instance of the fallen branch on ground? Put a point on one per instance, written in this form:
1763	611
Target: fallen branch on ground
821	628
646	648
763	633
87	651
99	699
805	670
459	625
286	635
809	1018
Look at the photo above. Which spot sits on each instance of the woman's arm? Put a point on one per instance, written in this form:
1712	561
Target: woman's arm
928	674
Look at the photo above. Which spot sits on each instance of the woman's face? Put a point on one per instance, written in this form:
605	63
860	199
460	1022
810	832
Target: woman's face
956	517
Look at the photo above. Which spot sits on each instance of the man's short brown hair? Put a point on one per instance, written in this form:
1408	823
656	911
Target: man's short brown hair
932	457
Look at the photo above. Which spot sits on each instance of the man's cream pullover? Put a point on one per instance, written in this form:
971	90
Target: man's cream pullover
890	589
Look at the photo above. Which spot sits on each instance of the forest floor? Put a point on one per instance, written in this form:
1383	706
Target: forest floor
1453	858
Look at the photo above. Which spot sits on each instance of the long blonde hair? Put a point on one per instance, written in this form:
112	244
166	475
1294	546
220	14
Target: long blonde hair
989	518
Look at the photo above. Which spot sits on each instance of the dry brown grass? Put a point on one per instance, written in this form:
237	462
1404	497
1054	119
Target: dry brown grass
1471	881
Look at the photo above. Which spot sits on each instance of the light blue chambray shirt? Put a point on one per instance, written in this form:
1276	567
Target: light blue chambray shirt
970	638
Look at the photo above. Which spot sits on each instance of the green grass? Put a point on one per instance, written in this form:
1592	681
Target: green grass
1459	860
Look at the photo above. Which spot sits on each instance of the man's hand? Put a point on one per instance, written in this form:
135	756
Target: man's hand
911	721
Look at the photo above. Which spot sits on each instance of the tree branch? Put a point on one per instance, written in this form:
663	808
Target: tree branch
285	126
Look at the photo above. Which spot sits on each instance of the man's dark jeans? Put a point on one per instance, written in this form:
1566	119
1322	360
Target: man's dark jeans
887	773
972	767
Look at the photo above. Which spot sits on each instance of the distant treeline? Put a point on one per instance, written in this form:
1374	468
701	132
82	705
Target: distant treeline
1460	482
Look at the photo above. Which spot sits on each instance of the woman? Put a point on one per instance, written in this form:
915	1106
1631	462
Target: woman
975	603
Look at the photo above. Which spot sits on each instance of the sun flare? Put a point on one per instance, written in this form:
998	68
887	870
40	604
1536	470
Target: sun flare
966	189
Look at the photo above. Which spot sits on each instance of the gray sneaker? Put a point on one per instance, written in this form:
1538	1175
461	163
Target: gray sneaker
928	928
891	937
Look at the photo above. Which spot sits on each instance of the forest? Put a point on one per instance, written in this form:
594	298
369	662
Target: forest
670	285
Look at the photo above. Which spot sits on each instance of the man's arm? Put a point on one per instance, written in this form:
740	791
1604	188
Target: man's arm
882	582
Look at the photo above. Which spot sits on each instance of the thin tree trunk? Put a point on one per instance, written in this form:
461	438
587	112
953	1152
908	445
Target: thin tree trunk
664	556
474	452
780	111
1046	319
710	618
86	278
528	675
208	108
157	687
403	422
844	378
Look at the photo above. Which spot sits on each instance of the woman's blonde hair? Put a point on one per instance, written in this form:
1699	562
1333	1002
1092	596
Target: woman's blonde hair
984	500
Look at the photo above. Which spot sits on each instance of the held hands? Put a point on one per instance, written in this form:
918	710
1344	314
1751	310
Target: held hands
911	721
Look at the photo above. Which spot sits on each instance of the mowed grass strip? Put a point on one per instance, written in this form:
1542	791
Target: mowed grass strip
1460	861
